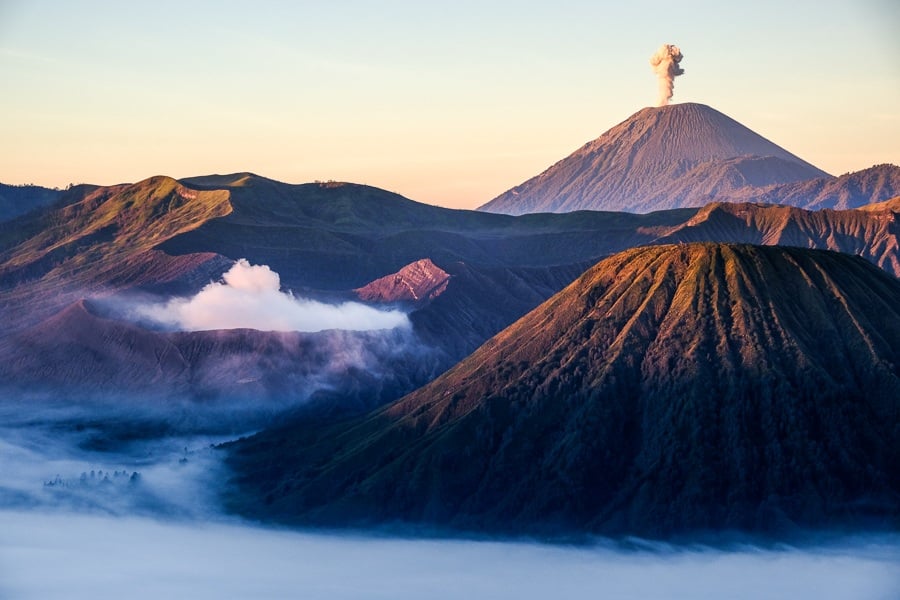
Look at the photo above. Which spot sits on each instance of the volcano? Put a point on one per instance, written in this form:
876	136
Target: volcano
659	158
670	389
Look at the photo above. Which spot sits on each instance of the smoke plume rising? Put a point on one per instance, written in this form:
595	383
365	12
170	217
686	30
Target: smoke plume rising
665	65
250	296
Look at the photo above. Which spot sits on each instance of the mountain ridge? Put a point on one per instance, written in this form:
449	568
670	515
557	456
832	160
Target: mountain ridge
856	189
329	238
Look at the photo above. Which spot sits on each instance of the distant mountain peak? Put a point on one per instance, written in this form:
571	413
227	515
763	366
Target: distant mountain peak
691	131
660	157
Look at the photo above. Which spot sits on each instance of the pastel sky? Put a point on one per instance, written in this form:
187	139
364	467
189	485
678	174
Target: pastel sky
445	102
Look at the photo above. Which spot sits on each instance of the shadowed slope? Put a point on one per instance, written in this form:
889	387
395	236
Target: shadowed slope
669	389
16	200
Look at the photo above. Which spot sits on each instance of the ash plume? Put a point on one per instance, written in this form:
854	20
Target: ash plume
665	65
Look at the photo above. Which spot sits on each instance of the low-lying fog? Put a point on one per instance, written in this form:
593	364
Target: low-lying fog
82	519
81	556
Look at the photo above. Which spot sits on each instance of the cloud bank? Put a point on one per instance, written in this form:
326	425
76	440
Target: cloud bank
250	297
67	536
80	556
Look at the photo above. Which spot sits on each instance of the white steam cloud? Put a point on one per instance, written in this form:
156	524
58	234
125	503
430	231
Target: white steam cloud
665	65
250	297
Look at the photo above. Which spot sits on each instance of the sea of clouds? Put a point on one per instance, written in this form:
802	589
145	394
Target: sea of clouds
75	522
51	555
